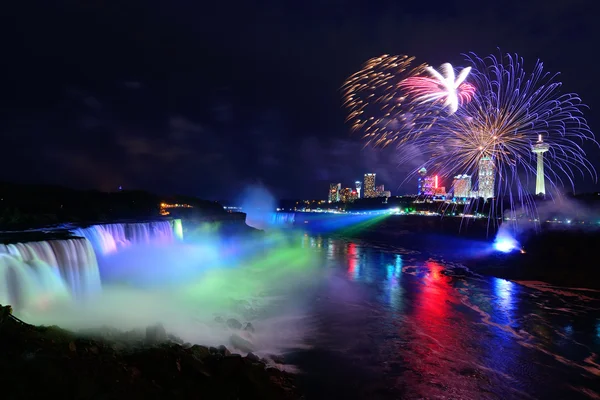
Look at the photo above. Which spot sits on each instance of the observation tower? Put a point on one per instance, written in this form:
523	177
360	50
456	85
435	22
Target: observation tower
540	148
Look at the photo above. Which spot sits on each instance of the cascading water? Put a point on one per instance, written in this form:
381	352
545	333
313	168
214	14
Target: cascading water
32	272
283	218
109	238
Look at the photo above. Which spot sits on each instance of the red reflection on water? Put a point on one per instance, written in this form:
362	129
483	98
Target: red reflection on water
353	266
436	344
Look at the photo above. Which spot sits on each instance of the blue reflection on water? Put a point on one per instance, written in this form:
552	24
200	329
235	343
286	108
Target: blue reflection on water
505	298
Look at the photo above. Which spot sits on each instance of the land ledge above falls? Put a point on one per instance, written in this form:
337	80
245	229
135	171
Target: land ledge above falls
70	365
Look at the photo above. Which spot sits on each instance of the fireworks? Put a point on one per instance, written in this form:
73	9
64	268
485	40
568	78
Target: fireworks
379	107
508	112
443	87
493	111
392	102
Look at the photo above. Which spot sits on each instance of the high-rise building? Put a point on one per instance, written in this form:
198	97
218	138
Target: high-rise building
334	192
379	190
358	185
428	185
369	186
487	177
540	183
346	195
462	186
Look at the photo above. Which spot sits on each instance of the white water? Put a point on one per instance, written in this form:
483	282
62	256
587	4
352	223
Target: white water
140	274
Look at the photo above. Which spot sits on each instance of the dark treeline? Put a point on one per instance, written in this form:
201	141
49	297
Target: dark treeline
26	206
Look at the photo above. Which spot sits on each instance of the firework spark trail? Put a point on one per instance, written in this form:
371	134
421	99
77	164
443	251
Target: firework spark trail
508	111
379	107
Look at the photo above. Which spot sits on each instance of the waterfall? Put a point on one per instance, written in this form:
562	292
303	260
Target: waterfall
35	271
284	218
109	238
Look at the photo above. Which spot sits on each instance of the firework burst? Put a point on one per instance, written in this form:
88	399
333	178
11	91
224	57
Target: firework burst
505	118
377	104
442	87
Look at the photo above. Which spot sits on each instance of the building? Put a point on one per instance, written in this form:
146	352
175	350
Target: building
379	190
369	186
428	185
487	177
386	193
358	185
462	186
347	195
540	183
334	192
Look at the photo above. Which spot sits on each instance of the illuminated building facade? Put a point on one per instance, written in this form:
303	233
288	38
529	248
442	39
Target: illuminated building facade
369	186
346	195
428	185
358	185
379	190
386	193
334	192
540	183
486	177
462	186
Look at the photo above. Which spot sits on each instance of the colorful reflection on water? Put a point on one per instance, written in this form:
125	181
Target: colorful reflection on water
410	324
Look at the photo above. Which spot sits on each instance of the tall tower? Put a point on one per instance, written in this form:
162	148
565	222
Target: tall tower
334	192
540	148
358	185
487	177
369	186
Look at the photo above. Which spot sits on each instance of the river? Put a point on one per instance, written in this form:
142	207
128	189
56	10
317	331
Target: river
394	323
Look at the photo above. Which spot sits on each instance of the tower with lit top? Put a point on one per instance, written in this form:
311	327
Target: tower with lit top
358	185
540	148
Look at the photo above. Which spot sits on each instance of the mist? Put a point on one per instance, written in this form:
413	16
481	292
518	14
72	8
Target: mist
259	205
203	289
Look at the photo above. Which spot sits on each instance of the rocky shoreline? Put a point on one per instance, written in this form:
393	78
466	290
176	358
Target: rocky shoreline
108	364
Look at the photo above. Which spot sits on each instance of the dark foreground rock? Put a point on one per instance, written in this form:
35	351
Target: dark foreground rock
49	362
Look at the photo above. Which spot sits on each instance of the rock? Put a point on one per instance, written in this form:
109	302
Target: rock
276	359
201	352
72	346
229	365
253	357
156	334
213	350
224	351
234	323
249	327
241	344
219	319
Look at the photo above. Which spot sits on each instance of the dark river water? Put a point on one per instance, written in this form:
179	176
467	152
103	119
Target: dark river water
394	323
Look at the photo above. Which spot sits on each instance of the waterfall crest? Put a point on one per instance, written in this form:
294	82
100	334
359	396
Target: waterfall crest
33	273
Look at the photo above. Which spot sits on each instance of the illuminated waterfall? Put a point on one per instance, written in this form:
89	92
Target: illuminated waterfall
109	238
35	271
283	218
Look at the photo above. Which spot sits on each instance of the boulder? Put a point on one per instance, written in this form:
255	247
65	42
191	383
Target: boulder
249	327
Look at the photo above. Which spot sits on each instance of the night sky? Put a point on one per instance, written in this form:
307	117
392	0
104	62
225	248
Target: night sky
205	98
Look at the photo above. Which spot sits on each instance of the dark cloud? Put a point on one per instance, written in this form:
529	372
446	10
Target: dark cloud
206	98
